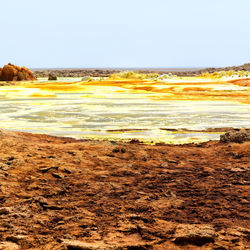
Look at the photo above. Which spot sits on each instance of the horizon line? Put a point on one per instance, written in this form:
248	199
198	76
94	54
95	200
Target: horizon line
110	68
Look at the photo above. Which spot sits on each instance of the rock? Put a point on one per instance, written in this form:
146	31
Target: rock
196	234
71	153
134	141
57	175
243	230
5	210
138	246
172	161
17	238
220	246
79	245
110	155
46	169
41	200
237	170
8	246
236	135
67	171
52	207
116	150
123	150
11	158
52	77
11	72
164	229
51	157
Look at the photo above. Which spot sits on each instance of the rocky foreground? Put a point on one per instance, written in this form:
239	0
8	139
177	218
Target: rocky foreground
62	193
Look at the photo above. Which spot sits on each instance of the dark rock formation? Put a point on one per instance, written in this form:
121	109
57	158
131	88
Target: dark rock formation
12	72
52	77
236	135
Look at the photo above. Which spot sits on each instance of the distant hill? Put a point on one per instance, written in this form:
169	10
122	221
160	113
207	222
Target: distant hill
106	72
245	67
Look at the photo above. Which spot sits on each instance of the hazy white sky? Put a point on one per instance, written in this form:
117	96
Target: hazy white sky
125	33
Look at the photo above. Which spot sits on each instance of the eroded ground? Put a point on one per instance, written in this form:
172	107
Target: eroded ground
60	193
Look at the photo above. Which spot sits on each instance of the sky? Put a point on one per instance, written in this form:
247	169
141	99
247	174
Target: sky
125	33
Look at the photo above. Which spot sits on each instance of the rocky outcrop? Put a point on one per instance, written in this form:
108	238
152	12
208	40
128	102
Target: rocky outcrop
52	77
12	72
236	135
194	234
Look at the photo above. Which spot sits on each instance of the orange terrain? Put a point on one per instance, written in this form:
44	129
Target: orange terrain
233	90
62	193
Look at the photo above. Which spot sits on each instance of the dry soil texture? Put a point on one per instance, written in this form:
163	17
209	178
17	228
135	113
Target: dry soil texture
61	193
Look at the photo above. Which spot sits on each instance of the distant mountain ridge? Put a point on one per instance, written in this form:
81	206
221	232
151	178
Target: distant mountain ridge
245	67
102	72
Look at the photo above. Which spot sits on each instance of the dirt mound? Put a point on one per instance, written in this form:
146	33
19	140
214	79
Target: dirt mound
12	72
62	193
236	135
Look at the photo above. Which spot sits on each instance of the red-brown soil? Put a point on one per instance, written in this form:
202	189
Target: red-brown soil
62	193
12	72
